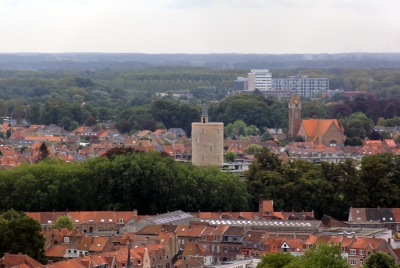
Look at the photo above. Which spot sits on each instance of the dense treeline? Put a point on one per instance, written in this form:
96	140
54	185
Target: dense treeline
252	109
154	183
149	182
130	98
327	188
98	61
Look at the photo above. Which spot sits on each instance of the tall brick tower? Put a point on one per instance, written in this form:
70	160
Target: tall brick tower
207	142
294	116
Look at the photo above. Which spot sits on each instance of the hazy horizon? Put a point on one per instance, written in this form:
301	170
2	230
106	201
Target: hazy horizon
200	26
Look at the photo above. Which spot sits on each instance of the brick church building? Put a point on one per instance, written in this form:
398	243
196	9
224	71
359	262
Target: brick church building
325	132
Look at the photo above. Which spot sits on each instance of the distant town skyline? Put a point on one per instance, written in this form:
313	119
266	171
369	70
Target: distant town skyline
200	26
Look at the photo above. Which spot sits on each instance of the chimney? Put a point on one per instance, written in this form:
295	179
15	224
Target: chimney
260	205
135	212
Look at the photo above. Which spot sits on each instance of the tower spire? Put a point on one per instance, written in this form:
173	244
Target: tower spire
204	114
294	116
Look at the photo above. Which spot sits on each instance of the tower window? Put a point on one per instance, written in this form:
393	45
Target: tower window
204	120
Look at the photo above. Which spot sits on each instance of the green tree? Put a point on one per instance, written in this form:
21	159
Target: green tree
20	233
33	113
73	125
322	255
379	172
381	121
43	152
276	260
357	125
91	121
313	109
19	111
3	107
253	149
65	122
63	222
380	260
230	156
264	177
252	130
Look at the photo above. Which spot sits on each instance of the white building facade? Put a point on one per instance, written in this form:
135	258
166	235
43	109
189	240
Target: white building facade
260	79
302	85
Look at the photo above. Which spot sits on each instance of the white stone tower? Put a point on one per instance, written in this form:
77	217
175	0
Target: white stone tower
207	142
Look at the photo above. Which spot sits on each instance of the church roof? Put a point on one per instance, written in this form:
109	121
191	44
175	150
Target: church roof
318	127
204	111
294	99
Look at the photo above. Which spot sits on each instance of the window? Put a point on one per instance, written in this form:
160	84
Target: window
215	238
204	237
343	249
353	261
361	252
303	239
66	239
225	249
232	250
353	251
218	249
361	262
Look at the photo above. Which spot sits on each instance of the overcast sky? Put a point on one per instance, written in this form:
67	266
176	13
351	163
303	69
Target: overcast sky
200	26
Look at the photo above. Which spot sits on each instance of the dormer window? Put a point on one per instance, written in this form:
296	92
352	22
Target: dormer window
66	239
121	220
